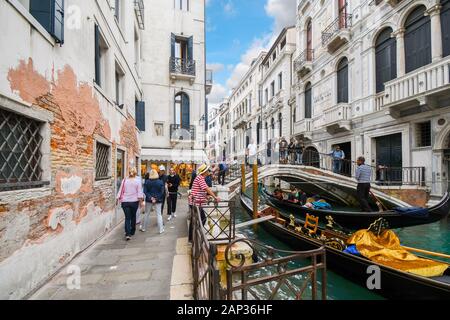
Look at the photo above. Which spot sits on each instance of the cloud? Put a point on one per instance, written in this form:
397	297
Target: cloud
283	12
218	93
229	8
215	67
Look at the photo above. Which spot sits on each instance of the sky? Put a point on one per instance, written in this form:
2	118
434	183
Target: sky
236	32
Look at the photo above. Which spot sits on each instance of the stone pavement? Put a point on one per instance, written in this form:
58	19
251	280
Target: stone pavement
141	268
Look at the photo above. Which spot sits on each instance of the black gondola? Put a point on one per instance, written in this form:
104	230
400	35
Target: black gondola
395	284
360	220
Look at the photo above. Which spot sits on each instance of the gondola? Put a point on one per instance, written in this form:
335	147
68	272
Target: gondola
395	284
360	220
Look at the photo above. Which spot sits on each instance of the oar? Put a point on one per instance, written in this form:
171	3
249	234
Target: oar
431	253
379	203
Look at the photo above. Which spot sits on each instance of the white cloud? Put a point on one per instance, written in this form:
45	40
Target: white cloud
229	8
283	12
218	93
215	67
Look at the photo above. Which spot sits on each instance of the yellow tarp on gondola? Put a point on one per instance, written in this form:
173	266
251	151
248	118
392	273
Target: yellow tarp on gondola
386	250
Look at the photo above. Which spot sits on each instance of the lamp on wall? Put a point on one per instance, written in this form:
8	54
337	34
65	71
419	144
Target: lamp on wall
121	106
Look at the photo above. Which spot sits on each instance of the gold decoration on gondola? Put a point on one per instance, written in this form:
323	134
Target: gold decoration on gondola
292	221
311	224
336	243
378	226
330	223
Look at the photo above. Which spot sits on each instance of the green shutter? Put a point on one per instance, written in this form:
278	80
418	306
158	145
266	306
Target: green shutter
140	115
97	55
50	14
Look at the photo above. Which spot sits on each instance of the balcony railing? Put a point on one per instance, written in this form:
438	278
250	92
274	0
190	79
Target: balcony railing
139	10
182	133
305	58
340	112
303	126
427	81
182	66
242	120
344	21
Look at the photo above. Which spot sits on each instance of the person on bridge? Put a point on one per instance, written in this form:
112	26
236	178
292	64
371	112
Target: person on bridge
299	148
283	148
252	152
363	176
338	156
291	151
223	168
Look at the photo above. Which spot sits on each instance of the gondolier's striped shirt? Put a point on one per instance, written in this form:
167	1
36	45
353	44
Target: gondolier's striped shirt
363	173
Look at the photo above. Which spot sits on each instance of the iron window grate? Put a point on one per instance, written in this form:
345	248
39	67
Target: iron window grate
20	152
102	161
423	134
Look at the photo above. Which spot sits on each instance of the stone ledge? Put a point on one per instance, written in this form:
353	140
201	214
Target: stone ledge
181	284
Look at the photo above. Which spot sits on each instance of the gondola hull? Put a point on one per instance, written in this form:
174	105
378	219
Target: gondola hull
394	284
361	220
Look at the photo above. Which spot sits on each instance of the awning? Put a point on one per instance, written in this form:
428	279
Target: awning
174	155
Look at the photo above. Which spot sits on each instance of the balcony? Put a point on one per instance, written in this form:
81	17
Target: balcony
179	134
420	90
182	69
337	33
240	122
303	63
139	10
338	118
208	81
304	128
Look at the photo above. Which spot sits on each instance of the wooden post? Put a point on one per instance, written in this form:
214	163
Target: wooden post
243	189
255	193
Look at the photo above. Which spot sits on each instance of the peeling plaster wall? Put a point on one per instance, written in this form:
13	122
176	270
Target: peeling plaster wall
41	230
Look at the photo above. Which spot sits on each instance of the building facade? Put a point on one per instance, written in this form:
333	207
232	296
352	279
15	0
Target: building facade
69	89
175	83
213	135
373	78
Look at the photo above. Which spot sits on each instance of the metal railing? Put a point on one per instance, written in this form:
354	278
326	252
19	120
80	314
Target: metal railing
179	132
344	21
140	9
209	77
274	273
182	66
306	56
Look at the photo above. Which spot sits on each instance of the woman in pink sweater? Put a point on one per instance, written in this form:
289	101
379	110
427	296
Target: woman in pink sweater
130	196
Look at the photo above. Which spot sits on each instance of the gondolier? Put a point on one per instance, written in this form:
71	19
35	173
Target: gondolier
363	176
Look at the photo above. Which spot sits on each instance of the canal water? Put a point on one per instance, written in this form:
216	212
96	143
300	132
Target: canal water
432	237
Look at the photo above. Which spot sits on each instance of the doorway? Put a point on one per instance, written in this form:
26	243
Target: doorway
346	168
389	159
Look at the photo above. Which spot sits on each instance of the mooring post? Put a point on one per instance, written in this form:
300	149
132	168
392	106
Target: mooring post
255	193
243	178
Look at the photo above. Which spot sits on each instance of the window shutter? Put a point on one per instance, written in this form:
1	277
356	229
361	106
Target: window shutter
445	21
50	14
140	115
308	102
97	55
190	53
185	112
172	45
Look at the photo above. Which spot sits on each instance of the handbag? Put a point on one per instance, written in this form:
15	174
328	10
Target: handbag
122	190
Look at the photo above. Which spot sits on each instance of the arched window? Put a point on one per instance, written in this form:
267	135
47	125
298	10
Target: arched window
417	39
309	54
386	58
308	101
445	27
272	127
280	124
182	110
342	81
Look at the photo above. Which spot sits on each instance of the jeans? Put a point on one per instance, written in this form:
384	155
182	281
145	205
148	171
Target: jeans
164	201
221	179
363	191
148	208
337	166
172	203
299	158
130	209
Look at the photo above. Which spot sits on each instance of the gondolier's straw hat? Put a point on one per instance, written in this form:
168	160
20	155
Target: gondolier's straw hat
203	168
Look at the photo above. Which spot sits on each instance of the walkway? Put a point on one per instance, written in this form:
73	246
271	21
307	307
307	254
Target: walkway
139	269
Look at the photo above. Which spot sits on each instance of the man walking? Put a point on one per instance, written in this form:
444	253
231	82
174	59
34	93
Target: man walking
338	156
163	178
173	182
363	176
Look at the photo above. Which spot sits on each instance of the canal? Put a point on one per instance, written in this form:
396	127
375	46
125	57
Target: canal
432	237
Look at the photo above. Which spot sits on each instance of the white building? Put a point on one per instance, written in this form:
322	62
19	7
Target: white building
174	80
373	77
69	80
213	147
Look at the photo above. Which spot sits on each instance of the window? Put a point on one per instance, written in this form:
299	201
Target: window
20	152
423	134
250	103
117	10
386	58
309	48
102	161
342	81
445	26
272	89
50	14
266	92
140	115
283	44
120	167
101	51
280	124
182	5
137	49
274	56
159	129
417	39
280	81
119	75
182	55
308	101
182	110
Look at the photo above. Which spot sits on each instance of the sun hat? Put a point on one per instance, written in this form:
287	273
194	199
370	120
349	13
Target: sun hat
203	168
154	174
162	168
